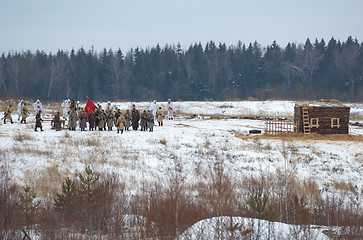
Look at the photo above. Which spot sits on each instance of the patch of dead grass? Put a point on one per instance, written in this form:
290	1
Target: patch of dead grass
304	137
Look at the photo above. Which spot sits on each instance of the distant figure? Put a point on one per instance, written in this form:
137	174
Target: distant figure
91	120
120	124
135	117
170	109
38	121
159	116
20	105
56	121
83	120
127	119
24	114
73	120
153	107
143	122
66	106
7	114
150	121
37	106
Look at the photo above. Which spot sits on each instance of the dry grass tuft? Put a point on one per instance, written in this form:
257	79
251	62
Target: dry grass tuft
344	186
22	136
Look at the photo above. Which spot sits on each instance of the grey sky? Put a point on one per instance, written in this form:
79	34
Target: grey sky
50	25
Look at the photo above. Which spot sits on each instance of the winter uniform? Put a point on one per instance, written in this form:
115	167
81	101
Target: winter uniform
37	106
143	122
135	117
73	120
20	105
120	123
56	121
159	116
7	114
150	121
170	109
38	121
24	114
127	119
83	120
110	120
91	121
102	121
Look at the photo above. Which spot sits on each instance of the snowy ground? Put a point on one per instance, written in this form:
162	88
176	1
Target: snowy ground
201	134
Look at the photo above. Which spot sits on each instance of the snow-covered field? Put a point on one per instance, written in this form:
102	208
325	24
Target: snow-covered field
201	134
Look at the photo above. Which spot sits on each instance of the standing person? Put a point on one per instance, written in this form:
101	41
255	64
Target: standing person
91	120
120	124
110	120
24	114
117	114
7	114
154	107
37	106
170	109
56	121
150	121
20	105
38	121
73	120
66	106
159	116
83	120
102	121
143	122
97	114
127	117
135	117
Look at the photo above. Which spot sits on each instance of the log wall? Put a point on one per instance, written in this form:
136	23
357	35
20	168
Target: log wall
324	114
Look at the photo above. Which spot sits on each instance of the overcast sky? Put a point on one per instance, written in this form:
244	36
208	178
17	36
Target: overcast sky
50	25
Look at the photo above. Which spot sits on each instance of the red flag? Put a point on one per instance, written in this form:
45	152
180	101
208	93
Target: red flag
89	106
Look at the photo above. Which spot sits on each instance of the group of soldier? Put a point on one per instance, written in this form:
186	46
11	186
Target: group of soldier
23	113
112	116
101	119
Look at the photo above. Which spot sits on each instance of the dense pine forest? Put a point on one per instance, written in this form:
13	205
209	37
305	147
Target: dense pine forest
312	70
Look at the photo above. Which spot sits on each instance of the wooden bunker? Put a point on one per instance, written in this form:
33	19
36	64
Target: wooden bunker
322	117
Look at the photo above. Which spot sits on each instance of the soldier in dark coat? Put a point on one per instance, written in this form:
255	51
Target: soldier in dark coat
38	121
91	120
56	121
73	120
97	114
83	120
135	117
143	122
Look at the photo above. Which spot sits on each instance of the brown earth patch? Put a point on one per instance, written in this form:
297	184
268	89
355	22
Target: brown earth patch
304	137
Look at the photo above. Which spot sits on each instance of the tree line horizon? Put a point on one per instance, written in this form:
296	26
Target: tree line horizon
309	71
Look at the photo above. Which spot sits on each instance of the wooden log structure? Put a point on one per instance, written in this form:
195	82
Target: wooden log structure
324	118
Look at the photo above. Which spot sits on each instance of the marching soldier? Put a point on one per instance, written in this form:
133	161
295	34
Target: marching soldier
24	114
7	114
38	121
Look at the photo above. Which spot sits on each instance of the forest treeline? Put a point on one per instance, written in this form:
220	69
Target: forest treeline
312	70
